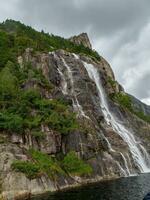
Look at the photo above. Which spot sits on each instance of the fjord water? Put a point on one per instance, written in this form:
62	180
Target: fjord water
131	188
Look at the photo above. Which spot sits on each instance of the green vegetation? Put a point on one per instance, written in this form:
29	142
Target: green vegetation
74	165
15	37
125	101
43	163
47	164
142	116
8	83
31	170
25	109
112	82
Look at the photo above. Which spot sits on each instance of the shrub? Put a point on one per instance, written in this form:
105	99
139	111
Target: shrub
37	134
63	123
74	165
111	81
11	122
57	115
32	121
46	163
31	170
8	83
124	100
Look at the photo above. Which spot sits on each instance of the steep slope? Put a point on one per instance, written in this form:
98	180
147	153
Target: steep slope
64	120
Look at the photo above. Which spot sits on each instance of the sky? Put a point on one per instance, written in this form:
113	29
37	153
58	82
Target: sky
118	29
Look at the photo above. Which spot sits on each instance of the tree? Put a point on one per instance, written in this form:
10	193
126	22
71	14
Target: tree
8	83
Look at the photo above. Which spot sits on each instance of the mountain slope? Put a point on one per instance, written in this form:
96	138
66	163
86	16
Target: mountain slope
64	119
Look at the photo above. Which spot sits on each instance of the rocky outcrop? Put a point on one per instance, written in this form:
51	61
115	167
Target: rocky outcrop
81	39
96	141
139	106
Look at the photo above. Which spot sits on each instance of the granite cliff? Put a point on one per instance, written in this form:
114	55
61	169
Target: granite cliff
73	123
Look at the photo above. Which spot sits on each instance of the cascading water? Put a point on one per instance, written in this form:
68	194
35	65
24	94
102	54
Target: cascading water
64	82
76	105
141	160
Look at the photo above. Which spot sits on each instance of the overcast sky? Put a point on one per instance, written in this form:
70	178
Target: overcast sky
119	30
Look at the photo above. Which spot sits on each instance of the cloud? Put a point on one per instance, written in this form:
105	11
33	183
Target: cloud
132	65
119	30
8	9
100	17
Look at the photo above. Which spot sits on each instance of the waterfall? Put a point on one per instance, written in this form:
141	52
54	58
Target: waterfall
77	107
64	82
140	159
125	163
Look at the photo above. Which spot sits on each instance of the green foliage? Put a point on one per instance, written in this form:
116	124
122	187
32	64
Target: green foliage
37	134
15	37
57	115
32	122
62	122
112	82
29	110
46	163
25	109
6	48
11	122
29	96
125	101
8	83
31	170
142	116
74	165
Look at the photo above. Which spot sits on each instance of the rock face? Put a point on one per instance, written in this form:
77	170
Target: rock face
81	39
100	144
138	105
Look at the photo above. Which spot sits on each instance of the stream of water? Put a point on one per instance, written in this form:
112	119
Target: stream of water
142	161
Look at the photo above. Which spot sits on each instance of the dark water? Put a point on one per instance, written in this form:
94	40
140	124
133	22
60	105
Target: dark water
132	188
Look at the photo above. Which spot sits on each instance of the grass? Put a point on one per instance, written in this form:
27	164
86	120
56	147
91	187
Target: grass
75	166
44	164
31	170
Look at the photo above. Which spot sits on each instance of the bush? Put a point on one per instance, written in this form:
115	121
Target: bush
11	122
112	82
31	170
37	134
8	83
125	101
63	123
56	115
46	163
43	163
74	165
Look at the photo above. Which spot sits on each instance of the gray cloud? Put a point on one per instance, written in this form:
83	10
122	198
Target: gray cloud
119	30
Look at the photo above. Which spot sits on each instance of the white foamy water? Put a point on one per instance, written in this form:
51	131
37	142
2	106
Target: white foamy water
64	82
76	105
139	153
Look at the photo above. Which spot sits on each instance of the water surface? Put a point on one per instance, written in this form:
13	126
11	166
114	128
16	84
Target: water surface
132	188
